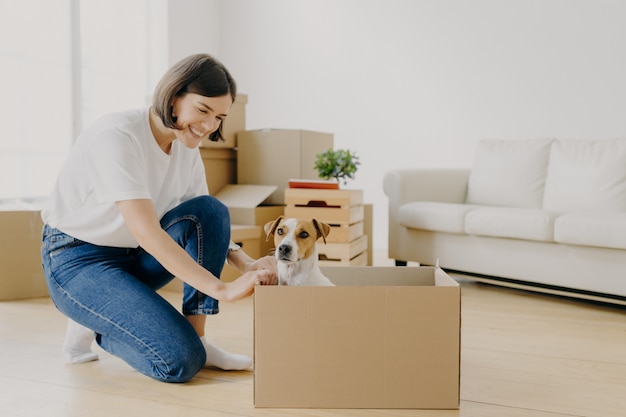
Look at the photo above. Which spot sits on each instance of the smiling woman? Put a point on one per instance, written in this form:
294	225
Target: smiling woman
195	118
199	117
130	211
191	101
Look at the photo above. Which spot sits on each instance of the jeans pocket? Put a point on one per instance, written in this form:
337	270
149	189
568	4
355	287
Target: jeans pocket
57	244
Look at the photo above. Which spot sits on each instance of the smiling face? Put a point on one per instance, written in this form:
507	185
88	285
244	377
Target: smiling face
198	116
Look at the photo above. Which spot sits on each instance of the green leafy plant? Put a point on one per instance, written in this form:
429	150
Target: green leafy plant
340	164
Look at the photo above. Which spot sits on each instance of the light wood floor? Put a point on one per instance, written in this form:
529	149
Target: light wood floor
523	354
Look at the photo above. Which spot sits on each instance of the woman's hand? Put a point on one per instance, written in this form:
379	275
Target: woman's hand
244	263
243	286
267	263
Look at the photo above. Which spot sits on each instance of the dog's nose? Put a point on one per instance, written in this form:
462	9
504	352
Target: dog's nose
284	250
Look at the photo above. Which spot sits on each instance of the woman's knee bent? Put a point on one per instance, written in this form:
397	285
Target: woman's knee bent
182	369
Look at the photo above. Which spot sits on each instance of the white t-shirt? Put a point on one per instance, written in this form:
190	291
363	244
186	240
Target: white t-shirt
118	159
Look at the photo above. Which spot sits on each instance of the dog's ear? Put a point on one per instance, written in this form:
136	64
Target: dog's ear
322	228
270	227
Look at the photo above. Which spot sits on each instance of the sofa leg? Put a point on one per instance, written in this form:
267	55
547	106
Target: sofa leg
400	263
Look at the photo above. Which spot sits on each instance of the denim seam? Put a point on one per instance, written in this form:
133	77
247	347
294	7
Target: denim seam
196	221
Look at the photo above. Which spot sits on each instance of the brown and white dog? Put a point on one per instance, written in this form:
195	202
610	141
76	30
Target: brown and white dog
296	250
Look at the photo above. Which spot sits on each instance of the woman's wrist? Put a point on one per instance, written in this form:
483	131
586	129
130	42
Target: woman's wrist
240	260
208	284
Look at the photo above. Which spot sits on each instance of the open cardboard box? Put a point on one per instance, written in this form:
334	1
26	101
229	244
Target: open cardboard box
247	205
384	337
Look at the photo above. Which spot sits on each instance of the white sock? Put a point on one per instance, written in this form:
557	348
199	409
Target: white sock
77	346
224	360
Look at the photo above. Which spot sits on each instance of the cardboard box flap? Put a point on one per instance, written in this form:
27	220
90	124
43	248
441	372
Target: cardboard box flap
443	280
367	276
245	195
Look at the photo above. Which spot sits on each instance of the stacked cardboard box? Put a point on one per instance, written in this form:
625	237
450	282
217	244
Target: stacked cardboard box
274	156
343	210
247	203
220	168
20	253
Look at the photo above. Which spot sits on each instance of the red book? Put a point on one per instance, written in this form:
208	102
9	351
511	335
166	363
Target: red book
319	184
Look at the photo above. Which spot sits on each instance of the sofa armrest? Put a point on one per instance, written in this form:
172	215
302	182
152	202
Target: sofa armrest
405	185
442	185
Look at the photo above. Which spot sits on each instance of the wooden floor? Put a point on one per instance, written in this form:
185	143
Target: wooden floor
523	354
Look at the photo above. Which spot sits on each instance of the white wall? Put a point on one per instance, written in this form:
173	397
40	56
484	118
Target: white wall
193	27
409	83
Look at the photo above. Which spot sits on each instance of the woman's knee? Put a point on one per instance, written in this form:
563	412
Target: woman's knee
207	204
205	211
213	216
183	368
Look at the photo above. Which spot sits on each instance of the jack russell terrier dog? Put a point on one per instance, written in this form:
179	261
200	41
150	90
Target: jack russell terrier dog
296	251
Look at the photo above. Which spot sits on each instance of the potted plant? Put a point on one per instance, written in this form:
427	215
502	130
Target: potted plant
340	164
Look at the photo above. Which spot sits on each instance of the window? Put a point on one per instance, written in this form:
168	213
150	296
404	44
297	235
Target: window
56	79
121	62
35	58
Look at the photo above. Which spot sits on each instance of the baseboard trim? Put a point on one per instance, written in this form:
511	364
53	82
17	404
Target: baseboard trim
544	288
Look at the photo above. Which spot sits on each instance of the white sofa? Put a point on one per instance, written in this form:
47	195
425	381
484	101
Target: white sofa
544	213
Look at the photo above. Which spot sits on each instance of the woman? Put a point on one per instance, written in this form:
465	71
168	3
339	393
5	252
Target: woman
130	211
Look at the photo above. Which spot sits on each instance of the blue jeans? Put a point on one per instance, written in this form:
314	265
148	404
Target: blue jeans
113	290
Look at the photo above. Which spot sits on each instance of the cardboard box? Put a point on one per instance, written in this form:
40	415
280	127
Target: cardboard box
342	251
342	233
248	204
330	206
274	156
320	198
234	123
20	254
362	259
384	337
344	211
368	229
220	168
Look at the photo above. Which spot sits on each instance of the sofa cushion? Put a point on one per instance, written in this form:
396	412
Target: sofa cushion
603	229
437	217
509	173
515	223
586	175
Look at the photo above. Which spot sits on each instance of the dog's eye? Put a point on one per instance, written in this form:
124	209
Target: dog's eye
280	231
304	235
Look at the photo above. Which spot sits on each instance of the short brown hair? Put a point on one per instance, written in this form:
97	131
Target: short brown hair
198	74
